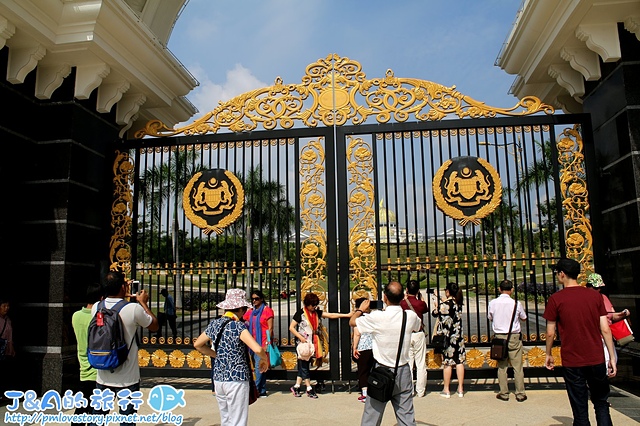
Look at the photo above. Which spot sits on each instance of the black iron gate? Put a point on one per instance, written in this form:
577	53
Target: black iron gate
341	210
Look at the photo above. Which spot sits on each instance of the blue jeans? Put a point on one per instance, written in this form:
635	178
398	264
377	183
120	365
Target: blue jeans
261	378
129	408
582	381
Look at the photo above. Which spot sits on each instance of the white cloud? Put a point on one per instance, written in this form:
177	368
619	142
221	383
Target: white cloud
206	96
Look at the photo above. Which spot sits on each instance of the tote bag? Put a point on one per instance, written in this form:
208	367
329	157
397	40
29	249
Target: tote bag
621	331
275	358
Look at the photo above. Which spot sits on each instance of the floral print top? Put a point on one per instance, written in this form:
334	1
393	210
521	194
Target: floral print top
450	316
231	363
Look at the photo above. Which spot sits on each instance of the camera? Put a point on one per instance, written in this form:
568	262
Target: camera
431	290
376	304
135	286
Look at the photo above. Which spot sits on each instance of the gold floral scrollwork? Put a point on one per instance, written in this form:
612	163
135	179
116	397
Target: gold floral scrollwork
434	360
575	202
159	358
362	248
490	362
475	358
313	214
557	356
289	360
335	91
536	357
177	358
144	357
194	359
121	213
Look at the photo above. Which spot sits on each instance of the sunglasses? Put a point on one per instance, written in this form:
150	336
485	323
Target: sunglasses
255	298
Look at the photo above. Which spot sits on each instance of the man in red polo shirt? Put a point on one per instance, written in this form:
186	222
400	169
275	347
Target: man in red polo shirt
581	318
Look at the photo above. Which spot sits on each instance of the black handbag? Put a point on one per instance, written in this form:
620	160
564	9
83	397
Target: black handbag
500	347
439	339
382	379
439	342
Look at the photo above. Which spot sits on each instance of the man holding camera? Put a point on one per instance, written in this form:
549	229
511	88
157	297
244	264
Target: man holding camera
500	313
133	315
384	327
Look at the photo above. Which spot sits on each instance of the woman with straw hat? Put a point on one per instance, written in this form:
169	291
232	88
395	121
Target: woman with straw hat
232	369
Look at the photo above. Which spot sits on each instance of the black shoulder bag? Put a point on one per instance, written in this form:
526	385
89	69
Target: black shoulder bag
500	347
382	379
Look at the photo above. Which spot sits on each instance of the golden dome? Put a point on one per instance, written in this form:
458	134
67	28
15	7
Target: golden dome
384	213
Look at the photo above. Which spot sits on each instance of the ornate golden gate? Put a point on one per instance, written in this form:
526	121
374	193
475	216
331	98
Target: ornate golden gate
338	194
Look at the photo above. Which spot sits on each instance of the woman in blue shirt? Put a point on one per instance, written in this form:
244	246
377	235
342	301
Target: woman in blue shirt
231	371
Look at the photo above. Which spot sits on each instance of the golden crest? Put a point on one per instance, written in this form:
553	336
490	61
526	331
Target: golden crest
213	199
467	189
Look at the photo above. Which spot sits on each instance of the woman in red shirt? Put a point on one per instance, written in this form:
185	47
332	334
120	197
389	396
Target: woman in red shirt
259	321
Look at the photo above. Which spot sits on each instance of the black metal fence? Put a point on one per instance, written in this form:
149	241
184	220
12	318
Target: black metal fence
342	211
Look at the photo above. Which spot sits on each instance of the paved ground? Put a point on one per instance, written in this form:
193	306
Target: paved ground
547	404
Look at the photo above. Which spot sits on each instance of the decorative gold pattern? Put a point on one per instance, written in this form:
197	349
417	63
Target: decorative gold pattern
434	361
575	203
159	358
475	358
289	360
177	358
536	357
313	215
462	132
144	357
194	359
121	213
334	91
490	362
362	250
468	190
557	357
215	203
533	356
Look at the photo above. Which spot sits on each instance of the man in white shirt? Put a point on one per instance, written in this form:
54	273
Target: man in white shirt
500	312
133	315
385	327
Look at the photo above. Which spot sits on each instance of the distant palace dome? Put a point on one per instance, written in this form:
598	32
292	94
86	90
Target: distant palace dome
384	214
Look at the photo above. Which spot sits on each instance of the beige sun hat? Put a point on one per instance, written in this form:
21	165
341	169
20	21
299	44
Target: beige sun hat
235	298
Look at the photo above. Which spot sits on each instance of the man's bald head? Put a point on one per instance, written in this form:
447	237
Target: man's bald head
394	293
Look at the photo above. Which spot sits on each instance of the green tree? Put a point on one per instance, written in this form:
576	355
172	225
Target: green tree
268	215
164	184
539	173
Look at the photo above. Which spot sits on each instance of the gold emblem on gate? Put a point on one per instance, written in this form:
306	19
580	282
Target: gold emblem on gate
467	189
213	199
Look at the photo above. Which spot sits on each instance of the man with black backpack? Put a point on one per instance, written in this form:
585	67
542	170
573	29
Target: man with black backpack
126	375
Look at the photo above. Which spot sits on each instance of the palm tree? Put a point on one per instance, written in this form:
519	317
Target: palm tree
267	213
537	174
163	184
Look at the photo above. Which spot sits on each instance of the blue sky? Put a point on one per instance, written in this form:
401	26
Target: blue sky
232	46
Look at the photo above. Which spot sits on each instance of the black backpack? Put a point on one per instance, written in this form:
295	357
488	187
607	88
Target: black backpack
106	347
